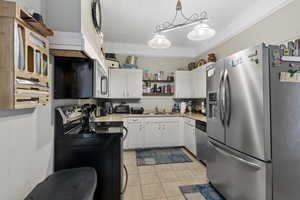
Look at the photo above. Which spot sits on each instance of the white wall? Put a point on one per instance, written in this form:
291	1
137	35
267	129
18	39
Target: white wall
156	64
26	143
279	27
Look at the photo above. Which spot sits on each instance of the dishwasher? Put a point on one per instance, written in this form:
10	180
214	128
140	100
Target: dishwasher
202	142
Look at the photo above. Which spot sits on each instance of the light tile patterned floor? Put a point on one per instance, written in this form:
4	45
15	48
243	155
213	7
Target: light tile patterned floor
161	182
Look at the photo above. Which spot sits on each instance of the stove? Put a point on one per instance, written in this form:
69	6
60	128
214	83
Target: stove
81	142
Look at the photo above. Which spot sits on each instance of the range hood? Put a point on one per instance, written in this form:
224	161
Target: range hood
77	28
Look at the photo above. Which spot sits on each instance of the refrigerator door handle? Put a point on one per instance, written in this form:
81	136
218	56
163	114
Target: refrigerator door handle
227	97
221	99
224	152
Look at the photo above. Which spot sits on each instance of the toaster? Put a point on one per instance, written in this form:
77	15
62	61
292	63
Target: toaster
122	109
137	110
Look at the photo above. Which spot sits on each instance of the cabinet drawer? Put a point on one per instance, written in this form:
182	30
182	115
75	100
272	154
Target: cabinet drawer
131	120
189	121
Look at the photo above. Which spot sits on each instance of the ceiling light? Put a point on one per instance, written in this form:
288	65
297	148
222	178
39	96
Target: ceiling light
201	32
159	42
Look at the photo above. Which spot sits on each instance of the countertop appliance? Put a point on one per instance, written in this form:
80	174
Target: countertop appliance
108	106
76	78
202	142
137	110
82	143
253	125
122	109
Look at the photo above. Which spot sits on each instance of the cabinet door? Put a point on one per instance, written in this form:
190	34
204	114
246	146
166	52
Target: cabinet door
170	136
118	82
196	83
152	134
202	82
193	141
134	84
199	82
190	138
135	137
186	133
183	82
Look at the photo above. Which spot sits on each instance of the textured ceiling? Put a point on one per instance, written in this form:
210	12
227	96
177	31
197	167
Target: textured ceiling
133	21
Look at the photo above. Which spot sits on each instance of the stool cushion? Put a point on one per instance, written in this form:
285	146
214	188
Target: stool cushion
70	184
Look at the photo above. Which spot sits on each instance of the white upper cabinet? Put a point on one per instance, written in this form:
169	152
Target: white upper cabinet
199	82
125	84
134	84
117	84
183	83
191	84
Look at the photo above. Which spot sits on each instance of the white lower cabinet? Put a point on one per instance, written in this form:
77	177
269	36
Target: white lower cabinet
152	132
189	135
170	134
160	132
135	137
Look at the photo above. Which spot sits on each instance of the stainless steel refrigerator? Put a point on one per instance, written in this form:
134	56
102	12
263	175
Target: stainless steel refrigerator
253	128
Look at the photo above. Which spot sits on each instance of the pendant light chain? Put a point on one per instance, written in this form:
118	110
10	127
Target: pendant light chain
168	26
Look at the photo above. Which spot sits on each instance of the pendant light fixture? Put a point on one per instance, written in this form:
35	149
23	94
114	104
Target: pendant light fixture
201	31
159	42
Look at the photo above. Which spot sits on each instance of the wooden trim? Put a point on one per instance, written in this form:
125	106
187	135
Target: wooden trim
31	76
67	53
29	87
8	9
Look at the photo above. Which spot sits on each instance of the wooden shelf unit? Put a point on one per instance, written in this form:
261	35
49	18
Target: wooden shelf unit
33	68
158	94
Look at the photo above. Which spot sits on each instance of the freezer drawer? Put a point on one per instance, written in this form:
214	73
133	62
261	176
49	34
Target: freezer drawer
237	176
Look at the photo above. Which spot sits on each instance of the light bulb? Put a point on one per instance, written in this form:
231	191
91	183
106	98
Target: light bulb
201	32
159	42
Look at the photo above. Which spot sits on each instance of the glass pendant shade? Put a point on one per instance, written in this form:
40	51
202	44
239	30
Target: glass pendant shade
201	32
159	42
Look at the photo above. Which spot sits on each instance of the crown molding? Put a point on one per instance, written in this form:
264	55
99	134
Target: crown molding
144	50
243	27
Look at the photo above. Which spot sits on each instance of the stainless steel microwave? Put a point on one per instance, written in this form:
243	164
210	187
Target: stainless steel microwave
79	78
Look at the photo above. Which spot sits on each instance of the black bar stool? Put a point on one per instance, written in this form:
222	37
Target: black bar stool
70	184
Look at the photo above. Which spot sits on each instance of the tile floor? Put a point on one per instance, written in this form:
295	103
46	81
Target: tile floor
161	182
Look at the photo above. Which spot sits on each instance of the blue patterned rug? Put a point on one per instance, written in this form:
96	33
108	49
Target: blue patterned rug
161	156
200	192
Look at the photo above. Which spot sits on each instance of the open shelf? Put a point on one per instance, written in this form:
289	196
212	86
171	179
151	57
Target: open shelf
36	25
158	94
159	81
